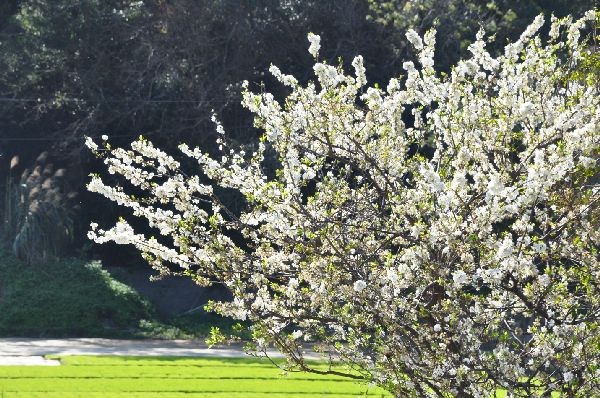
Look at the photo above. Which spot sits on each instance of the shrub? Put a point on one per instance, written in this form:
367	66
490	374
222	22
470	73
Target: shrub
67	299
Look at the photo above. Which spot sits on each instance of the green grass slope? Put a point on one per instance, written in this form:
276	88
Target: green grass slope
77	298
71	298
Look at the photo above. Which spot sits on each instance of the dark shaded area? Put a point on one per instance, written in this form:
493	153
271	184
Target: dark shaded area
172	296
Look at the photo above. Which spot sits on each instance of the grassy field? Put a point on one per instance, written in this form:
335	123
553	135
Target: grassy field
162	377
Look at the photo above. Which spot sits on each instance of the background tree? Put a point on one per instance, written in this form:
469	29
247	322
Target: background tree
457	21
160	68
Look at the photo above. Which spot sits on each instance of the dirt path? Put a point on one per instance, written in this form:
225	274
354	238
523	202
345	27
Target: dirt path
21	351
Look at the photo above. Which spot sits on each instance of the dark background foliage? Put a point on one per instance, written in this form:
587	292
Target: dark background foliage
75	68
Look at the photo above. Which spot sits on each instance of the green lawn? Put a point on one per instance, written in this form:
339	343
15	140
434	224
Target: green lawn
161	377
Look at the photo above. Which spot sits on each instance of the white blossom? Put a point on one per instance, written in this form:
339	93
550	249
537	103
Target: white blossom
459	278
360	285
414	38
315	44
359	68
567	376
91	144
526	108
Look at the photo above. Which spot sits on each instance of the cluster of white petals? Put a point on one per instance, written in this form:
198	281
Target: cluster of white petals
441	237
315	44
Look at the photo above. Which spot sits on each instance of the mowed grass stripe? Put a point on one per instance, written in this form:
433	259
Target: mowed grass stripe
186	385
173	361
154	372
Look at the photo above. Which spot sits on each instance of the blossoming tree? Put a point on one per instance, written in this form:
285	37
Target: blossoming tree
439	237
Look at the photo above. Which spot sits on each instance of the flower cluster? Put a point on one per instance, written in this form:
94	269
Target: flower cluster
441	237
